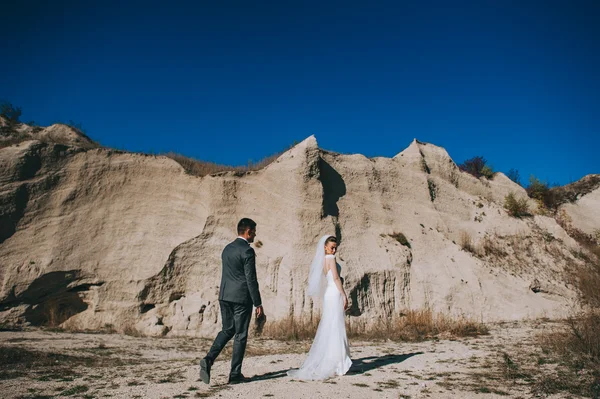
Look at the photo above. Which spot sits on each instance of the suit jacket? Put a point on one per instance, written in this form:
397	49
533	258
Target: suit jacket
238	278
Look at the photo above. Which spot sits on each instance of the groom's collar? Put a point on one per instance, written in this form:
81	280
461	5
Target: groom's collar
242	238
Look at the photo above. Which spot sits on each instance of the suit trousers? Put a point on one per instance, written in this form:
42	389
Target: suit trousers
236	319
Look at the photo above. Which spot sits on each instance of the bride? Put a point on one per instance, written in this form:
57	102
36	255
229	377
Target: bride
329	354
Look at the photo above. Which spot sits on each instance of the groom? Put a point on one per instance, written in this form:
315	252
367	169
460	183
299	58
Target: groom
238	292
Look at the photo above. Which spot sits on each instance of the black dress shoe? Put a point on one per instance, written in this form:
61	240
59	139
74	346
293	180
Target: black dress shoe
238	379
205	365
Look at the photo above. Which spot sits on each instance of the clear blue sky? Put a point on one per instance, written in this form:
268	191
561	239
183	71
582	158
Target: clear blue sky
517	82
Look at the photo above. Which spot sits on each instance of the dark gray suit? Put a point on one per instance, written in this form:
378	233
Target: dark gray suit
238	292
238	279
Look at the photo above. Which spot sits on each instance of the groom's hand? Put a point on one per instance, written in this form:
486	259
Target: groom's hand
259	312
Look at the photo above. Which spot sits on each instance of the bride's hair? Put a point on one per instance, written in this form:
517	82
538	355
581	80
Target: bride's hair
316	280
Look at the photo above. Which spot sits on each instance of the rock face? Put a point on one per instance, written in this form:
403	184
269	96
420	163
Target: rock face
91	238
56	134
583	212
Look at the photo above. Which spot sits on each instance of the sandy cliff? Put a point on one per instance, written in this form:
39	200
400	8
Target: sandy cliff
97	237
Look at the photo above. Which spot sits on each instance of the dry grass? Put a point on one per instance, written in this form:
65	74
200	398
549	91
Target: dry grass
54	316
4	326
16	362
15	357
9	136
291	329
577	352
590	242
584	337
510	369
587	280
196	167
466	242
415	325
200	168
11	141
130	330
557	196
53	313
491	247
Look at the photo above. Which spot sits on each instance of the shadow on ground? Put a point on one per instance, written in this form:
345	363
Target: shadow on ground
270	376
359	366
365	364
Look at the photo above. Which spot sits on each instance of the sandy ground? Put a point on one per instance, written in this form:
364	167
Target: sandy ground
117	366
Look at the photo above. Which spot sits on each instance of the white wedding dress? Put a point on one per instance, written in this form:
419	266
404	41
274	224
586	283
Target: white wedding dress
329	354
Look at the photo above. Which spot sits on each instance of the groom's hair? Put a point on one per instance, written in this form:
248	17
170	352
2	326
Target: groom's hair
330	239
245	224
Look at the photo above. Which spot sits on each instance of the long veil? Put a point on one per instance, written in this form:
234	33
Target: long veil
316	280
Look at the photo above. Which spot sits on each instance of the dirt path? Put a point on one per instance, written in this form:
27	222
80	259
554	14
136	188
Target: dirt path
116	366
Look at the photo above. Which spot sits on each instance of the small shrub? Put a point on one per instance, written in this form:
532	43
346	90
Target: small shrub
538	189
466	242
424	165
547	236
258	244
514	175
487	172
401	238
432	189
10	112
516	207
477	167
